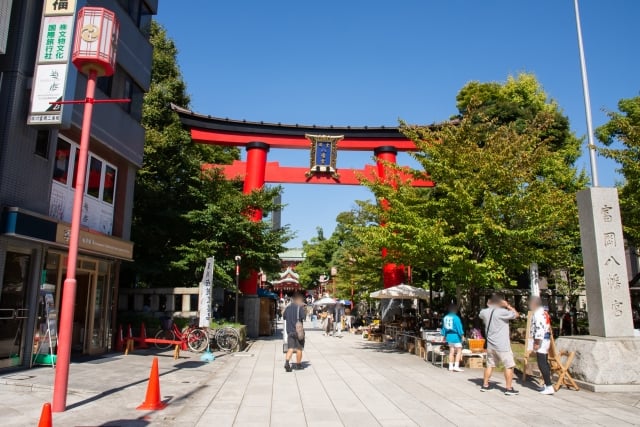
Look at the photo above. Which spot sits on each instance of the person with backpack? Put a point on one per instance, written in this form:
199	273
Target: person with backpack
453	332
294	316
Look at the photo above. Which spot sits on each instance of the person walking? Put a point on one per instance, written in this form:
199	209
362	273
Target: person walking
294	314
541	341
496	318
453	332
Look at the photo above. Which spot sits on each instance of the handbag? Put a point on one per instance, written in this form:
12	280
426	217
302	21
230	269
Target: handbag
299	327
486	331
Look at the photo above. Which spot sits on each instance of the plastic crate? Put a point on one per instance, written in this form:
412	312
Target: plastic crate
476	345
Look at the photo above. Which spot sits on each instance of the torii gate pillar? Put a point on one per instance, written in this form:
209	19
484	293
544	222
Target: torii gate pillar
392	274
254	180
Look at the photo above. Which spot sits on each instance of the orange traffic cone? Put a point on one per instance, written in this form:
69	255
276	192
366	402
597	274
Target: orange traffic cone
119	340
143	337
45	416
152	401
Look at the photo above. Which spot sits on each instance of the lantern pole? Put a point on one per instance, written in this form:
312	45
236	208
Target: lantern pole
90	60
61	382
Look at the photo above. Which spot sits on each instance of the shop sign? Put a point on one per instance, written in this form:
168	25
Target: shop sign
56	43
52	67
97	243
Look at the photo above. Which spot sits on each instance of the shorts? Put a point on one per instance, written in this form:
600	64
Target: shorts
505	357
294	343
455	344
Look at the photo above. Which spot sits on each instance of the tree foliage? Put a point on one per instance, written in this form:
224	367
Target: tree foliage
181	215
504	194
358	265
624	127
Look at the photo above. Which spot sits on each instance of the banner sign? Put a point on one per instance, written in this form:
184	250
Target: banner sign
54	51
534	279
204	302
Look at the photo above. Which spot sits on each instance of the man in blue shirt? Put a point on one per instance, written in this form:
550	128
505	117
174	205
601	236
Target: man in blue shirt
453	332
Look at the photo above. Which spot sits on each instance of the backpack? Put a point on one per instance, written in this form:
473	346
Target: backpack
299	328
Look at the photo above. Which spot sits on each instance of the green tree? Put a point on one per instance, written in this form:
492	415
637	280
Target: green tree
359	265
172	194
318	253
504	194
624	127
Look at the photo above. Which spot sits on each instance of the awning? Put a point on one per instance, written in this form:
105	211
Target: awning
27	225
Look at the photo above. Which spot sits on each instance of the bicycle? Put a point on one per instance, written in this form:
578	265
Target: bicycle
196	338
227	338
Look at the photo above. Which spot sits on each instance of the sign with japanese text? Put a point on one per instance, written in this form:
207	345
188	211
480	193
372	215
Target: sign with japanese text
59	7
52	67
56	44
204	300
324	149
605	268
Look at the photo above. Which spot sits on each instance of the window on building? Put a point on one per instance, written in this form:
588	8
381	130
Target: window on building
61	164
144	21
135	93
42	143
95	177
105	84
109	184
75	167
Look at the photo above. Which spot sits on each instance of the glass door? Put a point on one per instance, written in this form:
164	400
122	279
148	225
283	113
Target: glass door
97	329
13	309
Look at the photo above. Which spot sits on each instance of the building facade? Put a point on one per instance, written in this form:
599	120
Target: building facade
38	157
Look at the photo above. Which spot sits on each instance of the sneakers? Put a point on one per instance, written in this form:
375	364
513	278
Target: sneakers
287	366
457	369
548	390
511	392
485	388
297	367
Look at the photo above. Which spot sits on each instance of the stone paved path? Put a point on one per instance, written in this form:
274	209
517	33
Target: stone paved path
346	382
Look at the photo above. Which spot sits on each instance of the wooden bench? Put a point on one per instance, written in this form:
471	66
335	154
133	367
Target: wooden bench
560	362
131	340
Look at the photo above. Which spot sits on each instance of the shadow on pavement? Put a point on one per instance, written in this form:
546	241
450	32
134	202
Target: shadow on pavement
381	347
182	365
138	422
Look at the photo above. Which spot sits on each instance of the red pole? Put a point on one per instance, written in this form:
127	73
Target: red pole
65	331
392	274
254	180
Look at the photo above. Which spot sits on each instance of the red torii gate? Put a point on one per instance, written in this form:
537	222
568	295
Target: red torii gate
259	137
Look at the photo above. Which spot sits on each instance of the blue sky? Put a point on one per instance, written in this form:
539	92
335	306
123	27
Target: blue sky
372	62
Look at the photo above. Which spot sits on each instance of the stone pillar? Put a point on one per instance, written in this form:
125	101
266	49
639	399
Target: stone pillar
186	303
392	274
607	359
605	265
254	180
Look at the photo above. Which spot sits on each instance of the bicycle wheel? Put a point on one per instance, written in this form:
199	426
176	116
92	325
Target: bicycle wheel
197	340
227	339
164	335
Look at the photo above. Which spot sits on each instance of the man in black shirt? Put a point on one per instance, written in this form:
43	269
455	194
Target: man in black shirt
293	314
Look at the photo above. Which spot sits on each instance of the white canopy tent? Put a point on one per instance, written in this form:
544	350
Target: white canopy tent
401	291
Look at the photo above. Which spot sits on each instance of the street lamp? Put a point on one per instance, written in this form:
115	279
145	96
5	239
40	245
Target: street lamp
238	258
94	54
